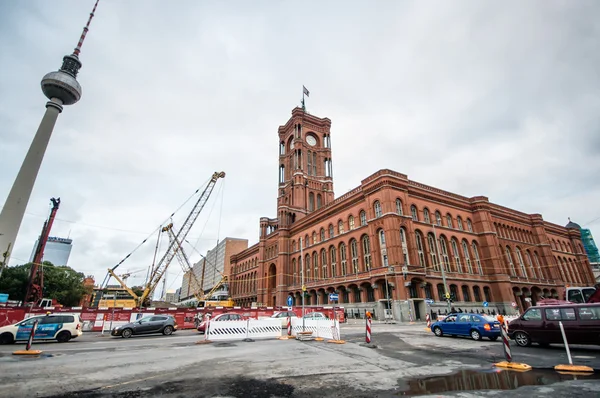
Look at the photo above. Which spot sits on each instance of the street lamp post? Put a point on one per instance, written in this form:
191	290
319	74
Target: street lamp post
447	292
302	281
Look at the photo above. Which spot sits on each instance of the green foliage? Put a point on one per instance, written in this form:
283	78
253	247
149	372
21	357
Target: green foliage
61	283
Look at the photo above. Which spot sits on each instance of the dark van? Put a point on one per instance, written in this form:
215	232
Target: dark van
540	325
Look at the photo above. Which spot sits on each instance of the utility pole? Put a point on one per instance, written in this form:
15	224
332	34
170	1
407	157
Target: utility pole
302	281
447	292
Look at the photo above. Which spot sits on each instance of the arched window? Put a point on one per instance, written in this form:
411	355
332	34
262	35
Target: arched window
319	201
445	258
398	207
324	263
331	234
521	263
354	255
367	252
469	225
384	256
530	264
456	254
315	260
413	213
314	236
420	250
294	271
322	233
350	222
363	218
459	223
381	235
307	267
465	292
426	215
487	293
333	261
293	245
438	218
477	293
433	252
538	265
476	256
404	246
465	248
340	227
441	291
511	265
311	201
377	207
343	258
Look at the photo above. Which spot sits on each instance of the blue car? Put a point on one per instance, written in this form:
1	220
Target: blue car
474	325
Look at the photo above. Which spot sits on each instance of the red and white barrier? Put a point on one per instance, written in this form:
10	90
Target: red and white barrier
506	342
289	326
321	328
368	330
428	319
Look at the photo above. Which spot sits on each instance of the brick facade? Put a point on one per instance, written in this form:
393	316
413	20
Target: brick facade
390	237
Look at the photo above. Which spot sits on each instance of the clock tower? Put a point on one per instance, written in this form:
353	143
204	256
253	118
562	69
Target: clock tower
305	168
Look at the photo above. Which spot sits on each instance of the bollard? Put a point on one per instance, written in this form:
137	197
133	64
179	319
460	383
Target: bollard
428	319
206	332
570	367
288	336
508	364
248	339
28	350
367	342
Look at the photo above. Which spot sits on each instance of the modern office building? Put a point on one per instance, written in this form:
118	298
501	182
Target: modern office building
57	250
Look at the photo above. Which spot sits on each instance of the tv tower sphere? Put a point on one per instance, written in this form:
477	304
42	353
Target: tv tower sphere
62	84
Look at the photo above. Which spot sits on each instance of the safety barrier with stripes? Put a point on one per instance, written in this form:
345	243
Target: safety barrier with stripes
239	330
326	329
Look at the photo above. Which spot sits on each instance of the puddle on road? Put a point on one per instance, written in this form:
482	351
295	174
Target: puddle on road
225	345
492	379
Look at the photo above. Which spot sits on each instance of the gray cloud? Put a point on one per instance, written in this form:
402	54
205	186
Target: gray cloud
472	97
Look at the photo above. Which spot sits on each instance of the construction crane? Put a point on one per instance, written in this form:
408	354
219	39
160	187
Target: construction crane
197	289
35	284
158	271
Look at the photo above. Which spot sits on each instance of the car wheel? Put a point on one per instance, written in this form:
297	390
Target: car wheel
438	331
7	338
522	339
475	335
63	337
126	333
494	338
167	330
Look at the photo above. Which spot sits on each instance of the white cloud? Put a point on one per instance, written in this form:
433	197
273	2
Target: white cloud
472	97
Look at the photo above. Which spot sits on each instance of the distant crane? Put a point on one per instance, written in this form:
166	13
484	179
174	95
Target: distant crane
35	284
158	271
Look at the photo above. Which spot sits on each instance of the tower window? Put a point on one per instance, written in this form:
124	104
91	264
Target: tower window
281	148
314	163
377	207
311	201
309	160
319	201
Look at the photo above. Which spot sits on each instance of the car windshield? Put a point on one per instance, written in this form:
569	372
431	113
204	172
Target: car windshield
488	318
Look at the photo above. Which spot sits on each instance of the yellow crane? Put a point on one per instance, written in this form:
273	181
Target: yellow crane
204	300
157	272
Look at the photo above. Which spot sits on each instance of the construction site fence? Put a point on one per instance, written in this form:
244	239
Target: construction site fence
97	319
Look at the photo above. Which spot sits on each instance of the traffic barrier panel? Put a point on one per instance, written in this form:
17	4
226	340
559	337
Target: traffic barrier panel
247	329
428	319
321	328
335	332
570	367
508	364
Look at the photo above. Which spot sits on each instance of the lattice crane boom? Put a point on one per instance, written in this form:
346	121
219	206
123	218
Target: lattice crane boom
186	265
161	267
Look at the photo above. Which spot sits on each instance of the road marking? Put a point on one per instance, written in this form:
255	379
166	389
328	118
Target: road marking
138	380
583	357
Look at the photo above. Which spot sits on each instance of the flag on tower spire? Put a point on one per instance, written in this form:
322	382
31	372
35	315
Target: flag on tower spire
304	92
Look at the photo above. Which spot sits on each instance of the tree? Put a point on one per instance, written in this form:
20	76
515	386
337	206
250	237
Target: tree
61	283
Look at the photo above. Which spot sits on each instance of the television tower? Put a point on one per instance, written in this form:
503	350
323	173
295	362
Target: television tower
61	88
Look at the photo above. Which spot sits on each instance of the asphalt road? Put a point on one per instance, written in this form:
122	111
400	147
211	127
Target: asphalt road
407	361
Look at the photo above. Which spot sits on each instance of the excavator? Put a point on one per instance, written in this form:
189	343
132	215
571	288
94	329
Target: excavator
204	300
158	271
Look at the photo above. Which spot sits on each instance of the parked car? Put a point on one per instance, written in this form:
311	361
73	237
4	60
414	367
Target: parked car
283	315
474	325
316	316
231	316
164	324
540	324
60	327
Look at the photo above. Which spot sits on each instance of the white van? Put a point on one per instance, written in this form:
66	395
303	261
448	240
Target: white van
60	327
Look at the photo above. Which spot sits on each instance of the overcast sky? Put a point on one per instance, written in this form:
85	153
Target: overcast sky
475	97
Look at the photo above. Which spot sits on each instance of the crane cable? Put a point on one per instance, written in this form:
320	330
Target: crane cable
107	279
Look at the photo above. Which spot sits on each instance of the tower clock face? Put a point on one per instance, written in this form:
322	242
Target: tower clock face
310	140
